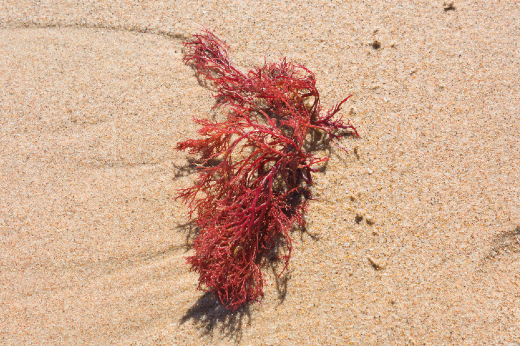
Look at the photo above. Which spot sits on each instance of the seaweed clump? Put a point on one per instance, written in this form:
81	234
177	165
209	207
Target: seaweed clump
254	173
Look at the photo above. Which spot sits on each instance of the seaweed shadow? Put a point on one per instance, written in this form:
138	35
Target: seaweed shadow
208	314
281	281
190	231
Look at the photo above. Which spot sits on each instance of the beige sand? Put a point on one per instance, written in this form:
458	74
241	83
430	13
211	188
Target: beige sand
94	97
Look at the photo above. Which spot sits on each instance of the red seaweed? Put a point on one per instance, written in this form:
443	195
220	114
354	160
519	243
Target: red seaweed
255	174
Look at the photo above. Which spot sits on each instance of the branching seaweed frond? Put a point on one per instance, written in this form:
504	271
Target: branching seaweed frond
253	182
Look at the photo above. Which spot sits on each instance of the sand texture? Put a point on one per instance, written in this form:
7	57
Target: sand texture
414	238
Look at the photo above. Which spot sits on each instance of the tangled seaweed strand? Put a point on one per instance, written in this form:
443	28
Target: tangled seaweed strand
253	183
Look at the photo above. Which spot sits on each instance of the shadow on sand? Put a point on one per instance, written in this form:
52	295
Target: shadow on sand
208	315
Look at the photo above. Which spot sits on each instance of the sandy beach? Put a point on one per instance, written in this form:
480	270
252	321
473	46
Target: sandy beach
414	238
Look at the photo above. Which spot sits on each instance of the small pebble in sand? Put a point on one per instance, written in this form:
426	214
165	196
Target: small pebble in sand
357	152
374	263
370	219
360	215
376	44
449	6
